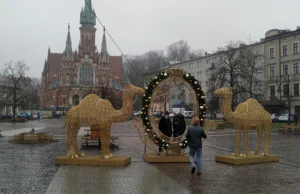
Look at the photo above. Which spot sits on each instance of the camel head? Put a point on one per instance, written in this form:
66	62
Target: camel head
222	92
133	90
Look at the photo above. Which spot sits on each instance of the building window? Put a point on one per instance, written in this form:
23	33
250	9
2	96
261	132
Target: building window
259	70
272	71
272	91
86	75
285	69
295	48
199	64
260	83
191	66
199	74
285	90
296	89
296	68
173	96
284	50
272	53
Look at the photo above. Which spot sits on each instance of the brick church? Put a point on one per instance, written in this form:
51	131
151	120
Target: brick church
66	75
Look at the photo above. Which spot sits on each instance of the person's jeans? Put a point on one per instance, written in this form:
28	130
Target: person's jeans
198	152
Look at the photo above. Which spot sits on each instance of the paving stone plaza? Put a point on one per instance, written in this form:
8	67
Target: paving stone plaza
31	168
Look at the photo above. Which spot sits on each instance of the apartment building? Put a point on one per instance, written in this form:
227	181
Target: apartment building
201	68
282	60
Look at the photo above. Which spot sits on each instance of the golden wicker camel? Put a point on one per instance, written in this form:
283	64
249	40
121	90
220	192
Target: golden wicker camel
96	111
247	114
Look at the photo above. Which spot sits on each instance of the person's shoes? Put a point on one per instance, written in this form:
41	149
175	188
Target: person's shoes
198	173
193	169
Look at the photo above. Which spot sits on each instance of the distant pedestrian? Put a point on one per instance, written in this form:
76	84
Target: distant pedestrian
165	126
296	119
194	137
38	115
178	125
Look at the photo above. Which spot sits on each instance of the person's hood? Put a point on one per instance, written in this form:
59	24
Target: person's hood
180	116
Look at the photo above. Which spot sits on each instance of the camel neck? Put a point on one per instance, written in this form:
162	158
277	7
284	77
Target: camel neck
226	107
127	108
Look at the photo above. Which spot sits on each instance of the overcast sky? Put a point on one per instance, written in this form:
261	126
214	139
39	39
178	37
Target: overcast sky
28	27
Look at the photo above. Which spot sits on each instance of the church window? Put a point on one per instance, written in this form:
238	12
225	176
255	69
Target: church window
86	75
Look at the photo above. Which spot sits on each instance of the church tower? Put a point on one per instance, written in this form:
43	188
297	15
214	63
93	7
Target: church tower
87	31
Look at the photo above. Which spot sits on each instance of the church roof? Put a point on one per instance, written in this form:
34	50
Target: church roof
117	85
54	61
54	84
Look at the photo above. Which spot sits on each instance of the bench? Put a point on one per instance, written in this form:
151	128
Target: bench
289	129
88	144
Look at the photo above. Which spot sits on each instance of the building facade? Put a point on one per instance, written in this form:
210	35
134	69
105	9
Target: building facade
282	60
201	69
66	75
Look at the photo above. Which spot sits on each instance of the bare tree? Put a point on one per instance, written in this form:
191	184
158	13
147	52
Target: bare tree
252	67
179	51
15	75
231	69
214	82
197	53
107	93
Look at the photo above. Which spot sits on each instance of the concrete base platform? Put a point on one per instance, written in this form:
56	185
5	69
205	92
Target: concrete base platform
33	142
95	161
251	159
153	157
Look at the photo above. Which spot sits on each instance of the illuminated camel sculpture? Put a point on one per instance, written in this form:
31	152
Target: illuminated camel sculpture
247	114
96	111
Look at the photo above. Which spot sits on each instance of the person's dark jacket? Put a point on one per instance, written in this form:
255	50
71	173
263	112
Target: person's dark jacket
179	124
165	126
194	136
296	117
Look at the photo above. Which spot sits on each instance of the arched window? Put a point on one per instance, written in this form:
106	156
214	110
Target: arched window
86	75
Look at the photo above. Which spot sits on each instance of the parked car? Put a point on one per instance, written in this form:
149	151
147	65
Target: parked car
275	117
285	118
5	116
24	115
171	114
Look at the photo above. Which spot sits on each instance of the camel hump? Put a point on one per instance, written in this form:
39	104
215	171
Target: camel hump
249	105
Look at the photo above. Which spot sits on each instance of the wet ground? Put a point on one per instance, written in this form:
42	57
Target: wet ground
31	168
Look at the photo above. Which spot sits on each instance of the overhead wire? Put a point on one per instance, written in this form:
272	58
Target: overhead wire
107	32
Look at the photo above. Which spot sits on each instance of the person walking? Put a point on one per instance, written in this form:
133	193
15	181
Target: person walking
296	119
178	125
194	137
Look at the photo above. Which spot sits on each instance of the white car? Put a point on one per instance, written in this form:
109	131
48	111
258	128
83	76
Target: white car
171	114
285	118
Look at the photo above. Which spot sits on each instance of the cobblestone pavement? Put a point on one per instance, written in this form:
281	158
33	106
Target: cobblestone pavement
32	169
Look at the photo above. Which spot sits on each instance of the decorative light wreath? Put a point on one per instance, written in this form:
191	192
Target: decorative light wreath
146	101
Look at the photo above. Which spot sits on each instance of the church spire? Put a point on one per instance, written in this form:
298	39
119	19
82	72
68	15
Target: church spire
68	53
87	15
104	56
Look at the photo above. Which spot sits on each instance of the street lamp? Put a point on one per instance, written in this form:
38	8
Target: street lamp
285	79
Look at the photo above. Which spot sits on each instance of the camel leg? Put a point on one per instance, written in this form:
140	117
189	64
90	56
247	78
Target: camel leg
71	139
78	153
259	131
267	140
105	142
237	141
246	128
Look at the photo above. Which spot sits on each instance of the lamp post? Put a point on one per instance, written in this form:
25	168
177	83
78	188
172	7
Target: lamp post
285	79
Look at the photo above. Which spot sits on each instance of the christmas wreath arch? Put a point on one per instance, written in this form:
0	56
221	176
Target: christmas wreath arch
169	75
